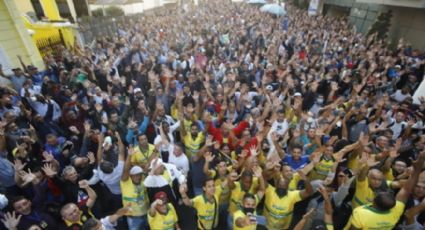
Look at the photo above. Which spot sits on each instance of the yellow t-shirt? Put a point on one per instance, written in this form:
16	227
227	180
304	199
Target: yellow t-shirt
353	163
278	211
163	222
225	192
367	217
364	194
140	157
293	184
237	193
206	209
322	169
193	145
135	196
239	214
389	175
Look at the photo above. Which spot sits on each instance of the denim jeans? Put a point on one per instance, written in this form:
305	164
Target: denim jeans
137	222
229	222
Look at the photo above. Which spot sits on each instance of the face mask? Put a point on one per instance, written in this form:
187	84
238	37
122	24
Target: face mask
248	210
320	101
281	192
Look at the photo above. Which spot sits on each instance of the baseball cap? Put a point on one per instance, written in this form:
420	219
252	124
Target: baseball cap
136	170
297	94
137	90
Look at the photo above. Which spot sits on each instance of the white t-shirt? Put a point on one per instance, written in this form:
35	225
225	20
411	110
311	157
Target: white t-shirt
112	180
181	162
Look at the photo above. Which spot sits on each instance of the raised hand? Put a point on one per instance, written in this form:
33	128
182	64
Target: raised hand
209	157
324	192
27	177
257	171
209	142
48	170
253	150
92	158
10	220
48	157
18	165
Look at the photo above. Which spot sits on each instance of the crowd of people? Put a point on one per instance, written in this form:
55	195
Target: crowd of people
217	116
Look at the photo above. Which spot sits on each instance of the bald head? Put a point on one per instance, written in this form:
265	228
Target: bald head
375	178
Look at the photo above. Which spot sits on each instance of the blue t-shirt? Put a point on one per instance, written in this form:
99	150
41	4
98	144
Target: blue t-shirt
306	141
296	164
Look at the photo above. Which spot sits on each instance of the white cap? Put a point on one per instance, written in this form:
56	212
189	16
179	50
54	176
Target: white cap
155	163
297	94
136	90
136	170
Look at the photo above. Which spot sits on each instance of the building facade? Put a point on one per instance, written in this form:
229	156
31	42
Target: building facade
407	21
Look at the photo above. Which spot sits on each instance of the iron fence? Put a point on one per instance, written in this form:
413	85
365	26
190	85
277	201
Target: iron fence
49	46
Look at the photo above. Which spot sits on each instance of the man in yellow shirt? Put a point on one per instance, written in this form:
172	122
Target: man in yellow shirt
206	204
162	215
134	194
279	203
193	140
368	182
143	152
385	211
246	218
249	183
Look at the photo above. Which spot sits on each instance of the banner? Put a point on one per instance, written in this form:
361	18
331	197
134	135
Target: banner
312	8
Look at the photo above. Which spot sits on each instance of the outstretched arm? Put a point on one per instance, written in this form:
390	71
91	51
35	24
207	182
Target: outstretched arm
127	165
405	191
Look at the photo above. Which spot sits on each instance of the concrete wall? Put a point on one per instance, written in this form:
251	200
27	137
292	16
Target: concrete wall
408	23
14	37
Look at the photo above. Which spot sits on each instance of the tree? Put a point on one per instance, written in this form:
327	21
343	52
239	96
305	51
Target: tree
381	25
97	12
114	11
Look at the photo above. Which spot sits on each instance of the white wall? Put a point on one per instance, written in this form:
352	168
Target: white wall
138	7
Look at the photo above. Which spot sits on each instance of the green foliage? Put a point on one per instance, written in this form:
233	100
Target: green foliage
111	11
302	4
97	12
381	25
114	11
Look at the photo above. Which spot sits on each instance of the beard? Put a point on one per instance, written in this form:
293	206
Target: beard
281	192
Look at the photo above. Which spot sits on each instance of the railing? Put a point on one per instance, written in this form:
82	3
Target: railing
48	46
